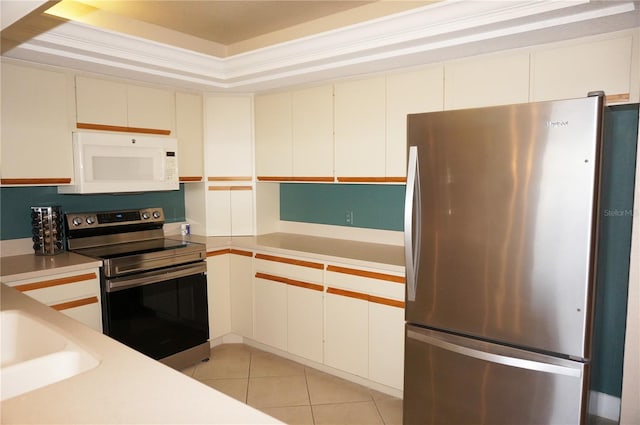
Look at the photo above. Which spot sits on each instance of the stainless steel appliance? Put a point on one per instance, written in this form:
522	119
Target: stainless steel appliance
154	289
500	229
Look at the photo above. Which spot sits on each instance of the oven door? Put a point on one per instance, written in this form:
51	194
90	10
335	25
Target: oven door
158	313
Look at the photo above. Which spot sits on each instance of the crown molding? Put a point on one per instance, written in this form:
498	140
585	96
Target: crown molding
418	35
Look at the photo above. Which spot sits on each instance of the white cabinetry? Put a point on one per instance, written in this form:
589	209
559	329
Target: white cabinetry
289	304
116	106
294	135
486	81
572	70
241	292
76	294
409	93
189	131
37	121
364	332
229	164
360	129
218	293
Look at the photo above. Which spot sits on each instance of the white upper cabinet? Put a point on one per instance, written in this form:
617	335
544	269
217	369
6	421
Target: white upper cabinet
490	80
571	71
126	107
37	122
274	147
409	93
312	133
189	131
360	129
294	135
229	136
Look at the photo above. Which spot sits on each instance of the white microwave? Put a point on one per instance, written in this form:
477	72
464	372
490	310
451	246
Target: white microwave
116	163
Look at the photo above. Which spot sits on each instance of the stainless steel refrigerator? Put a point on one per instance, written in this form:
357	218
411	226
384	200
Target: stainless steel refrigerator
500	237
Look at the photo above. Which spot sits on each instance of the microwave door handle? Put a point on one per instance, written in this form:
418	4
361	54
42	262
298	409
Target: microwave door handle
412	217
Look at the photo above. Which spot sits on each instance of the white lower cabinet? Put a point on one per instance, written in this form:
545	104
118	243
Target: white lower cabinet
305	322
76	294
241	292
346	344
218	293
386	344
271	312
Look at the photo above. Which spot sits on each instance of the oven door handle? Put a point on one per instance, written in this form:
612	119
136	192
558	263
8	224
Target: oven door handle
155	276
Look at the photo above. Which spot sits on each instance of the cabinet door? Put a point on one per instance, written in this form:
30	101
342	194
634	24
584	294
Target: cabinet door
312	133
386	344
218	294
241	290
229	136
346	345
37	111
218	211
360	129
190	136
409	93
242	206
273	135
270	312
101	102
149	107
305	322
486	81
572	71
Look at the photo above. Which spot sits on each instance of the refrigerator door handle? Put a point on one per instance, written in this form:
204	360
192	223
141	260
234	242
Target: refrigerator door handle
412	216
497	358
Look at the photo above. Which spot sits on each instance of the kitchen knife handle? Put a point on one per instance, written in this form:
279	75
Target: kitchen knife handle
412	223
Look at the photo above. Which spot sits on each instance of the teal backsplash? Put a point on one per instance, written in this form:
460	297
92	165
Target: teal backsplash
16	203
372	206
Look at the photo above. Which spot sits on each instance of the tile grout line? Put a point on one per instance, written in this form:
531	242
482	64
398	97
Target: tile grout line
306	381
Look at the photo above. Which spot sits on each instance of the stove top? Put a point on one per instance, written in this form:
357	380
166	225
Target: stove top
133	248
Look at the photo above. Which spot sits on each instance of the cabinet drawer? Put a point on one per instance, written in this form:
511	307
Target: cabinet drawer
89	314
61	288
366	281
308	271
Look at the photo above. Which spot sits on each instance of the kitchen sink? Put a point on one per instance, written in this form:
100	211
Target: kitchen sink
34	354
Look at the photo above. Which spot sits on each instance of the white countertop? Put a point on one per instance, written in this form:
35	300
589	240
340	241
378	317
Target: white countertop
29	266
125	388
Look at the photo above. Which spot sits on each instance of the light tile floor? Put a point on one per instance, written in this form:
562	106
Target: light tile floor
292	392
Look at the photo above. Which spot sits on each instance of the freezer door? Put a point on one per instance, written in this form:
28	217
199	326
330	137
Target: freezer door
501	219
455	380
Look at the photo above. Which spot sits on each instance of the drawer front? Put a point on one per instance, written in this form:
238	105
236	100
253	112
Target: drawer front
367	281
61	288
89	314
292	268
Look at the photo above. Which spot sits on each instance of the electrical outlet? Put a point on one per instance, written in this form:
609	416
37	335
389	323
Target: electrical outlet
348	218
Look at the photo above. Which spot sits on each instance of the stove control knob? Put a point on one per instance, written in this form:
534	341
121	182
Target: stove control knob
90	220
145	215
77	221
156	214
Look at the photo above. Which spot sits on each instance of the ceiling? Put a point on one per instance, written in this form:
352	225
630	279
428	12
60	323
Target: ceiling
243	45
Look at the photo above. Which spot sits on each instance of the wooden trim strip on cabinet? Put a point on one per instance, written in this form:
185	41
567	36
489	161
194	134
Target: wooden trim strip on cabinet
302	263
372	179
55	282
613	98
295	179
39	181
229	179
292	282
230	188
219	252
241	252
190	179
366	297
75	303
90	126
364	273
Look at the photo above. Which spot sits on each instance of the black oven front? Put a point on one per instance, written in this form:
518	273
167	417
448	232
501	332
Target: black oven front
161	313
